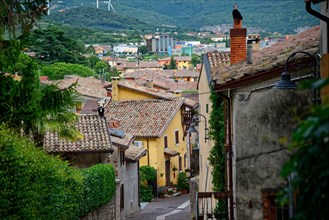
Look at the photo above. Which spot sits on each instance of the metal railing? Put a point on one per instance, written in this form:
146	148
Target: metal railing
206	203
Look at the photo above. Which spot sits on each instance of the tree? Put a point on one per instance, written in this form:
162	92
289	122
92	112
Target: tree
27	106
91	61
172	64
142	49
60	69
307	169
51	45
16	21
196	59
34	108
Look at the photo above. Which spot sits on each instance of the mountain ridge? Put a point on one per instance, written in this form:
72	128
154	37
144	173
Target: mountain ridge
284	16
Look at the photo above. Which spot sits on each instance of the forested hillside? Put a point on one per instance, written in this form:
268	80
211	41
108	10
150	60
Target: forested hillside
283	16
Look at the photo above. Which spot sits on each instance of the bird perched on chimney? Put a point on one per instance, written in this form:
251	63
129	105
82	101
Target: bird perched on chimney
236	14
237	17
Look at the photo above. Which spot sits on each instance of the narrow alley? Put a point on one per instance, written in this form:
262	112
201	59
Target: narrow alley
173	208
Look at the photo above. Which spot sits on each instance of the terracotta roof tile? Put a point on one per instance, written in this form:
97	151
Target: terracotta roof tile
135	153
144	118
218	59
124	142
170	152
270	57
156	93
177	58
95	137
86	86
142	64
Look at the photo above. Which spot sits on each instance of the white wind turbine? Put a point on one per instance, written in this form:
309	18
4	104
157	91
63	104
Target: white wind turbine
109	5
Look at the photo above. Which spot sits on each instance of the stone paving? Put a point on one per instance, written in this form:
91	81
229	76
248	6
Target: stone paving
172	208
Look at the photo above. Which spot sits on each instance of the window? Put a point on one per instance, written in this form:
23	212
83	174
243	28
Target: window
180	163
122	157
165	139
207	108
272	210
138	143
176	137
185	160
122	201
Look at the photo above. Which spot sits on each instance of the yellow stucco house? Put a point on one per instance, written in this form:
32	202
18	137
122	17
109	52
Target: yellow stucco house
158	121
210	60
182	62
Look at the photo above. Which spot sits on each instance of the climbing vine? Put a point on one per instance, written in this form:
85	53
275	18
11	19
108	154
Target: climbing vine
217	153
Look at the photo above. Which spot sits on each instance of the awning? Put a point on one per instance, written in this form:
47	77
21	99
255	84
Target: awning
170	153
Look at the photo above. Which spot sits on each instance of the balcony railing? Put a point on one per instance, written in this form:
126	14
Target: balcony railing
206	203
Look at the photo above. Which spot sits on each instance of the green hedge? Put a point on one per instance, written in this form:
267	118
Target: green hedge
99	182
148	175
35	185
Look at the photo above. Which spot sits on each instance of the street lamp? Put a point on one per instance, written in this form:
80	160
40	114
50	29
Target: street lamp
285	81
192	128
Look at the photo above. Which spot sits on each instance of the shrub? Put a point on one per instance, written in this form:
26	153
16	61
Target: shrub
183	182
35	185
146	194
148	173
99	186
147	177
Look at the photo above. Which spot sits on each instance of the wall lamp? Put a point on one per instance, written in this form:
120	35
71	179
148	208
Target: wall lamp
192	128
285	81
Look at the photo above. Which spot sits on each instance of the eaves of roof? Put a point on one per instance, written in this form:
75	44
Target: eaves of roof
268	62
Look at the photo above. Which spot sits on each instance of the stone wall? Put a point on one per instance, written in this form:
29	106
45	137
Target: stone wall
262	127
109	211
194	188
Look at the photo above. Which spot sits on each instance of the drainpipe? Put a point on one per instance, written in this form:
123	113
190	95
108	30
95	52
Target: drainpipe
230	150
320	16
148	151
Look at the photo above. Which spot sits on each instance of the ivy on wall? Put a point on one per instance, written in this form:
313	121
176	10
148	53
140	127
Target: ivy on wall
217	153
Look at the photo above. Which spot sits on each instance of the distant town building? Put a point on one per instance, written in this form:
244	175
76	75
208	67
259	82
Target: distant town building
123	48
159	43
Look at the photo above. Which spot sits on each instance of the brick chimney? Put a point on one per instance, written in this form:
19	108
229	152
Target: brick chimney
115	89
238	40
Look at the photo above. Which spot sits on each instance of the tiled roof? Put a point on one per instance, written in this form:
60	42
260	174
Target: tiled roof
135	153
134	65
95	137
144	118
218	59
270	57
124	142
170	152
86	86
156	93
90	107
181	58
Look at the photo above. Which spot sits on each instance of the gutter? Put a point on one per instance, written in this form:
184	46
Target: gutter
320	16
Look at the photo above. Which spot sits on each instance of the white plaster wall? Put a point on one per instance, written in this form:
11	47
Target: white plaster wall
131	189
